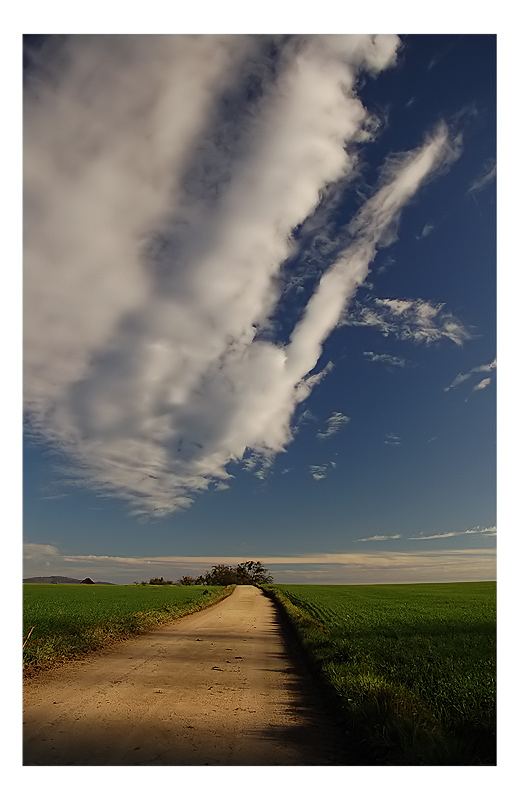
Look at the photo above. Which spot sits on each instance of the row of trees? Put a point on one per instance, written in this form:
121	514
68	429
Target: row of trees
248	572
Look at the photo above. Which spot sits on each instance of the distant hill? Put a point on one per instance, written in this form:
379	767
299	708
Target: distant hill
62	579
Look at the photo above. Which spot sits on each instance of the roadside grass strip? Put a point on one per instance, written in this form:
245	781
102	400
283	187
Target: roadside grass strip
413	666
63	622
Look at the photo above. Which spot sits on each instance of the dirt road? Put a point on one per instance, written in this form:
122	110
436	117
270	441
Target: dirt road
214	688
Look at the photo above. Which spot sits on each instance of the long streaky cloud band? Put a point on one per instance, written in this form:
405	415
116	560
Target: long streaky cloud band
490	531
360	567
159	210
38	552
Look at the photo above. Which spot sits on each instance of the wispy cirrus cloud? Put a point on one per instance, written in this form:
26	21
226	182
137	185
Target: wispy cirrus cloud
260	464
478	530
320	471
392	438
416	320
487	176
161	195
333	425
385	358
464	376
426	231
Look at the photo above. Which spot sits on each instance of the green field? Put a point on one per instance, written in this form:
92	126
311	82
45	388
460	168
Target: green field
68	620
412	666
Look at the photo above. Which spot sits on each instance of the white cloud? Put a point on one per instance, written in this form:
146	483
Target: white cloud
426	230
462	377
379	538
37	552
492	530
333	424
373	226
306	417
260	464
308	384
385	358
482	385
392	438
351	568
318	471
488	175
157	217
417	320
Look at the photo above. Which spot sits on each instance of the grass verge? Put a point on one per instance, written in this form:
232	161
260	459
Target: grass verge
412	668
65	622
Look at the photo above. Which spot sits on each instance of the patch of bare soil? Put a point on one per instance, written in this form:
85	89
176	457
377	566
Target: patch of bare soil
215	688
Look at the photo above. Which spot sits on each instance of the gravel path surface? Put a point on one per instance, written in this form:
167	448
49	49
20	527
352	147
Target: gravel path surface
213	688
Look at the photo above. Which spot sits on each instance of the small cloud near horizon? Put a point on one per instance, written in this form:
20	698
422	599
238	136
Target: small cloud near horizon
478	530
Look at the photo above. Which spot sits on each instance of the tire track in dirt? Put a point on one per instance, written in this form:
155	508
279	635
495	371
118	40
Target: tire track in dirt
215	688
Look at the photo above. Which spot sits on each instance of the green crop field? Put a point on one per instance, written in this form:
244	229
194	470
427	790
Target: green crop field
68	620
412	666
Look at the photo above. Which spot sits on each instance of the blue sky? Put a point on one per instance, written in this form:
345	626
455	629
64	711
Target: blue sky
259	306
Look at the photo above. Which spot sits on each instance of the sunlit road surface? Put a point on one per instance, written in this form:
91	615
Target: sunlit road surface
214	688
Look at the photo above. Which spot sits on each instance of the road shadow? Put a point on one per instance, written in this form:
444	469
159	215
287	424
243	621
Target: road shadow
316	703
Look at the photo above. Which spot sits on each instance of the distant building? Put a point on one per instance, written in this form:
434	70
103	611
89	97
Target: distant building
87	580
